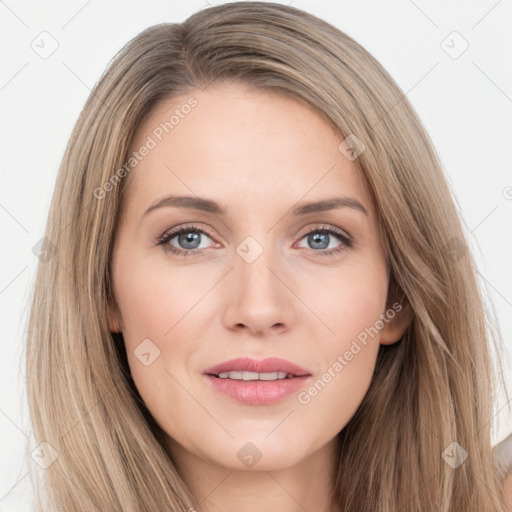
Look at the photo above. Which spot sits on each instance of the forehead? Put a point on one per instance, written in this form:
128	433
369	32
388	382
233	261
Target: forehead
246	146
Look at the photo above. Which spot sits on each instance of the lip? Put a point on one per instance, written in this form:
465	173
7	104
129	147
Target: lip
258	392
268	365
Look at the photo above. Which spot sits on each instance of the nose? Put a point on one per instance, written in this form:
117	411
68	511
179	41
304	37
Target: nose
260	298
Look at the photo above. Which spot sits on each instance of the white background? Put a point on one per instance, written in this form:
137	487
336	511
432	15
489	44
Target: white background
465	104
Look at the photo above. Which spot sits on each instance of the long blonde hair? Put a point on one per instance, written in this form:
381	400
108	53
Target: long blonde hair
436	386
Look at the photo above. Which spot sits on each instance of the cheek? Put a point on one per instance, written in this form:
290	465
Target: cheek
350	303
159	310
349	341
344	377
153	300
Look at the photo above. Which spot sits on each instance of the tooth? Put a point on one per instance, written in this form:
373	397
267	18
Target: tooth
254	375
269	376
250	375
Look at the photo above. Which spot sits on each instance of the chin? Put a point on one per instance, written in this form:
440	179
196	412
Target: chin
258	453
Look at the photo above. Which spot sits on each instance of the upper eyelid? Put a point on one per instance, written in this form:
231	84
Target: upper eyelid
176	230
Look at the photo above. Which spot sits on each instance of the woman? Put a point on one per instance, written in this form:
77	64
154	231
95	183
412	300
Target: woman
260	293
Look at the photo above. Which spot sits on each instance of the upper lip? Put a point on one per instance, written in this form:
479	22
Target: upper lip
269	365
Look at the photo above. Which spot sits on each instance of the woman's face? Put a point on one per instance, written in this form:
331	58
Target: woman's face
260	280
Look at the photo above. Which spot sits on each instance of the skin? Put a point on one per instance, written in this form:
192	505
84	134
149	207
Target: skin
258	154
507	503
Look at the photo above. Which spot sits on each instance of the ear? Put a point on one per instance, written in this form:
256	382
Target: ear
114	317
399	316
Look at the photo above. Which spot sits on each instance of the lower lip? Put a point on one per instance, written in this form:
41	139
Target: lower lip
258	392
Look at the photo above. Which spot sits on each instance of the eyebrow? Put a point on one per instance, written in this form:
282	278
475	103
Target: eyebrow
304	208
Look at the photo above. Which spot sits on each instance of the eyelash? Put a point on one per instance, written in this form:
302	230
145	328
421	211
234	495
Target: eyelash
169	235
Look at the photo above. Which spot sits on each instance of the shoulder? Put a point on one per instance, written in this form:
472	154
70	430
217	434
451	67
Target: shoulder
508	492
503	452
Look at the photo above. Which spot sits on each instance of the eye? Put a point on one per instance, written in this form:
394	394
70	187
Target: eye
320	239
188	236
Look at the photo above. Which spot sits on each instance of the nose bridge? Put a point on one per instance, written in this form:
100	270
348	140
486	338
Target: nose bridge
253	263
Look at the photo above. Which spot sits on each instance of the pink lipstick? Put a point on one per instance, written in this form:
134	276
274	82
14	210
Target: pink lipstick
257	382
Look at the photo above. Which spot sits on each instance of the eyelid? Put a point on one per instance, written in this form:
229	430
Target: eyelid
328	228
181	227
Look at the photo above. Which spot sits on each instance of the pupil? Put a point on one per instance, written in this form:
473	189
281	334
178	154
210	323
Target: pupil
190	237
319	238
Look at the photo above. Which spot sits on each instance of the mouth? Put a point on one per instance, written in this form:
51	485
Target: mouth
248	376
257	382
